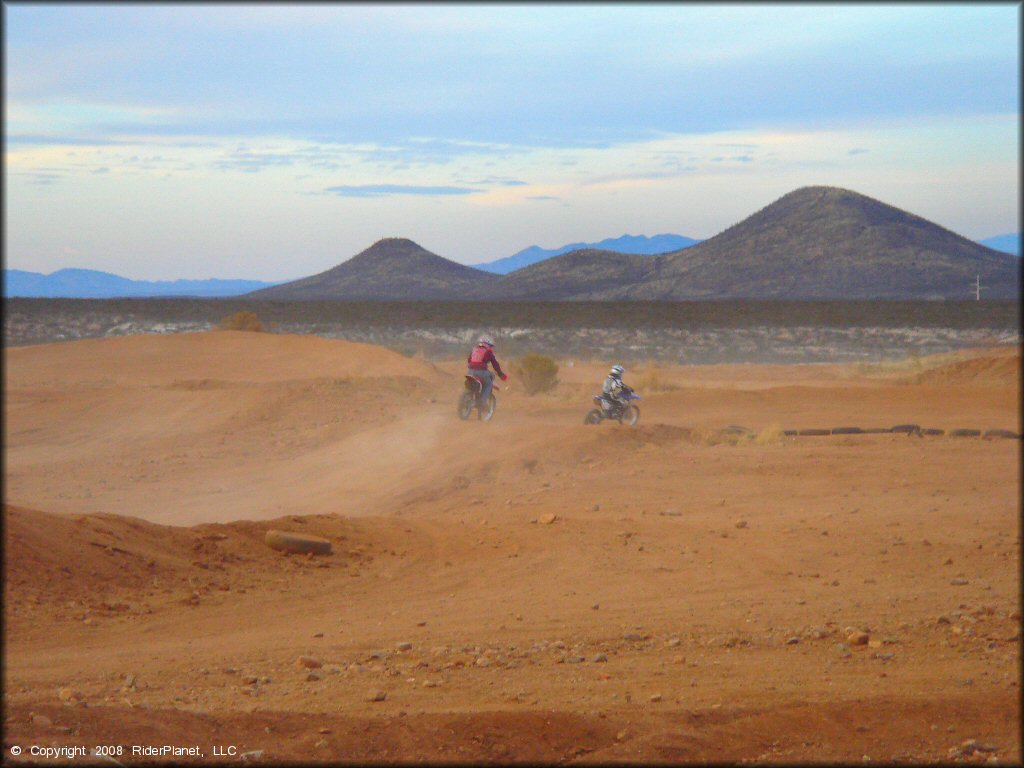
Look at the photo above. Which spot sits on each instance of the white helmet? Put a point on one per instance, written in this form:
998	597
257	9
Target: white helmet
485	341
617	371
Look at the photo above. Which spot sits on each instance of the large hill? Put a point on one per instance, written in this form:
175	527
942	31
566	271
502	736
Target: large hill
831	243
640	244
814	243
391	269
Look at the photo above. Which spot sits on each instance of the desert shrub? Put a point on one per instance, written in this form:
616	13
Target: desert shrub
538	373
242	321
770	435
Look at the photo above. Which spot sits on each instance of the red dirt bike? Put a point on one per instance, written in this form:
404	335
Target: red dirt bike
470	399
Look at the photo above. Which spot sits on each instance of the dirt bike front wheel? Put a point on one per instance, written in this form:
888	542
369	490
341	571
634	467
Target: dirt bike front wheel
466	403
631	416
593	417
486	412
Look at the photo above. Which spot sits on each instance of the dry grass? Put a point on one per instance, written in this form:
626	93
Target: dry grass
711	436
910	366
651	379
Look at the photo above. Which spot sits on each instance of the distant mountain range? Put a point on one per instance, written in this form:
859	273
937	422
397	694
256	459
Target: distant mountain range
91	284
1006	243
814	243
640	244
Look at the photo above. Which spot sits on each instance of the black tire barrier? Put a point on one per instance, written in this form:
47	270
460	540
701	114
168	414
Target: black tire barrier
990	433
297	543
909	429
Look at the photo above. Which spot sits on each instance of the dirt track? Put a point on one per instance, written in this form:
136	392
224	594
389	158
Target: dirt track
693	599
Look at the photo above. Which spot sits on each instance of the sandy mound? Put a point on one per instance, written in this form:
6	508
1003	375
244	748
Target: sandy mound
222	356
987	370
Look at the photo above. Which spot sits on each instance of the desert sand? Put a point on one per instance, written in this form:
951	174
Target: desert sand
529	589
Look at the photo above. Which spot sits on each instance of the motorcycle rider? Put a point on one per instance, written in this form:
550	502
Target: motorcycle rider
613	389
479	357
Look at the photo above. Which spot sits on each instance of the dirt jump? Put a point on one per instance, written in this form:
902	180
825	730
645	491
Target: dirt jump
273	548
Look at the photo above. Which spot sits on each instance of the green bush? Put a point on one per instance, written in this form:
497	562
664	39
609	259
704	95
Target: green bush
537	372
242	321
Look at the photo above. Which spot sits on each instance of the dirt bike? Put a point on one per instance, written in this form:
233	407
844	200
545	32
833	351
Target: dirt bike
470	399
621	410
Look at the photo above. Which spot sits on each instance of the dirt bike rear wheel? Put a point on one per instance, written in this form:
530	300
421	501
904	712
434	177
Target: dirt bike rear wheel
593	416
466	403
487	411
630	416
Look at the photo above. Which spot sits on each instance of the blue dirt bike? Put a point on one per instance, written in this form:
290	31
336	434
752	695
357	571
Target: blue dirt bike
621	410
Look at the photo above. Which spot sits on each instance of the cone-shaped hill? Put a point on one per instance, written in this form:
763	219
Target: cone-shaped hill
391	269
831	243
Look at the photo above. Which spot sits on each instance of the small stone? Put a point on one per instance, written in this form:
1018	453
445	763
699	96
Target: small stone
250	679
313	677
595	607
309	662
483	661
69	694
655	697
321	744
324	730
404	646
958	582
547	519
793	640
673	642
741	523
621	735
858	638
599	658
429	684
318	634
376	695
842	649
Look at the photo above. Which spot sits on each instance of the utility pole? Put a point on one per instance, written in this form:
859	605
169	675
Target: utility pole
977	288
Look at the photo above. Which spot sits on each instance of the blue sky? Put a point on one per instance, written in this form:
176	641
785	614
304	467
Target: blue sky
275	141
